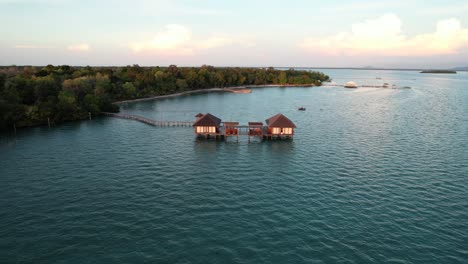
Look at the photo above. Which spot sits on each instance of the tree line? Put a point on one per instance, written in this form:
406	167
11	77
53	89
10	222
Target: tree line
37	95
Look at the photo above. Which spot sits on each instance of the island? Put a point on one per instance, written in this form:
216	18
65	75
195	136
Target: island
439	71
47	95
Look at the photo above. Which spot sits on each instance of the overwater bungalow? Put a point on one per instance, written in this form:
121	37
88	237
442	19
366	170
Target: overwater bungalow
197	116
210	126
207	125
280	126
231	128
255	129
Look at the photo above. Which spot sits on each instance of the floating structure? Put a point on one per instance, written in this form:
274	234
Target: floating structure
255	129
209	126
301	108
350	85
277	127
280	126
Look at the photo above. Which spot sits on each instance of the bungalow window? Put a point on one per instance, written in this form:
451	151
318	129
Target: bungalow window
204	129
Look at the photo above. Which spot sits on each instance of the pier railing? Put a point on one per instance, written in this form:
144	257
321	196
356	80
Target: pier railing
151	121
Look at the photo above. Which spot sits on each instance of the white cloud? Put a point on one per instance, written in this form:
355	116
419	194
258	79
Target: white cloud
178	40
79	47
383	36
173	38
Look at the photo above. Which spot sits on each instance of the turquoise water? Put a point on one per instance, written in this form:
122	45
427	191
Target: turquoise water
372	175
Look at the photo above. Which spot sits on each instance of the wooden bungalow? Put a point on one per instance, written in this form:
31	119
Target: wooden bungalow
197	116
231	128
255	129
280	126
207	125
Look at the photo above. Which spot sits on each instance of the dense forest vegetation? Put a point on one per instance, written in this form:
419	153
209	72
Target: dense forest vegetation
32	95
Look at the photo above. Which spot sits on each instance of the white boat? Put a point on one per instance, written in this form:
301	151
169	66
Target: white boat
350	85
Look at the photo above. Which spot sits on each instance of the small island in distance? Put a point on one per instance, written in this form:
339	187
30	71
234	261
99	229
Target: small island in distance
439	71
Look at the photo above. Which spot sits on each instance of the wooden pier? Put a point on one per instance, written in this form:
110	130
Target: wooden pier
209	126
151	121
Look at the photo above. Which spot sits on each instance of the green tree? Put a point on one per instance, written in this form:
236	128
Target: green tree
283	79
129	90
181	85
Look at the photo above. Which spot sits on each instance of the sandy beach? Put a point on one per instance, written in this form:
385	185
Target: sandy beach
234	89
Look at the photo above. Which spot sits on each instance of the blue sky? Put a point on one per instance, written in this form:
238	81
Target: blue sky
410	34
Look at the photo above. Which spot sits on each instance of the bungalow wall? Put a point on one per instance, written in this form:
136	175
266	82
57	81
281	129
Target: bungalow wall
205	129
282	130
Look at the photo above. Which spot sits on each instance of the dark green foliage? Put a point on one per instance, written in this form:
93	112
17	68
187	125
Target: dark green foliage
31	95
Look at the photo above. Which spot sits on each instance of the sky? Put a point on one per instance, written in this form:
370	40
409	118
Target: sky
332	33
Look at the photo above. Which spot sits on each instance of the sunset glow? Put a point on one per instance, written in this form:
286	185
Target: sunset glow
241	33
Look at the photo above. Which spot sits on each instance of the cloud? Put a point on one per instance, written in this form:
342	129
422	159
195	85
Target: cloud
383	36
173	38
178	40
79	47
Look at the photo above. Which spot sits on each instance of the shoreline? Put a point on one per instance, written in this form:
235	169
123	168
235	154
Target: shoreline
232	89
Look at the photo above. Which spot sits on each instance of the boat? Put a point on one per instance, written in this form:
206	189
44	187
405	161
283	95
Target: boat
350	85
301	108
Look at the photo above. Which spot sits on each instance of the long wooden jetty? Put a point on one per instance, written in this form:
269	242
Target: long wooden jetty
209	126
151	121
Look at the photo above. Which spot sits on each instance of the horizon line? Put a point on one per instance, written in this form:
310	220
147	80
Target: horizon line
293	67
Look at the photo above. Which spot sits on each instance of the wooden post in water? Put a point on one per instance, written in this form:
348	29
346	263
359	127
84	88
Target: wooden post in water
48	121
14	127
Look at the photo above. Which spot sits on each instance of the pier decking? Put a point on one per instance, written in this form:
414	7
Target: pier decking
151	121
209	126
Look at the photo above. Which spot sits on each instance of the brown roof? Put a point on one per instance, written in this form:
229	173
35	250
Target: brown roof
230	124
255	124
279	120
207	120
199	115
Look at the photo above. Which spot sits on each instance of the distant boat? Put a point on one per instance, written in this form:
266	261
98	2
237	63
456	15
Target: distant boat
301	108
350	85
